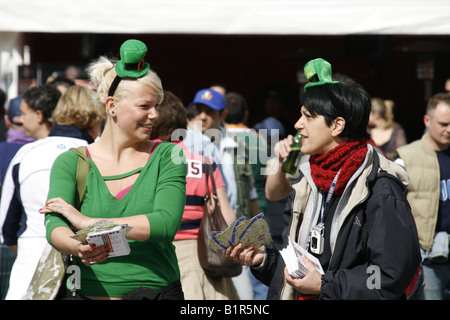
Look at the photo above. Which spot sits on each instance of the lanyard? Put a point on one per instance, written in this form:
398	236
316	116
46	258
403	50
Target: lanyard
326	201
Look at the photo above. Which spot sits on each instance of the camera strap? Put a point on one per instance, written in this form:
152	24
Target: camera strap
320	227
326	201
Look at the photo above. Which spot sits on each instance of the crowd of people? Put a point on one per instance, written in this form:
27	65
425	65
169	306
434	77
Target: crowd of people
373	209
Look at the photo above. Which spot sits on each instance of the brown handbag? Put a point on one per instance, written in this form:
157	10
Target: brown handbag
214	261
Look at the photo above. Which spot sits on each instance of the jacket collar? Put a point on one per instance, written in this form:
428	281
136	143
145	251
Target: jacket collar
356	191
70	131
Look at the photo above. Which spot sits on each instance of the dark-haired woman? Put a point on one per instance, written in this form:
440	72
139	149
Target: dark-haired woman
350	195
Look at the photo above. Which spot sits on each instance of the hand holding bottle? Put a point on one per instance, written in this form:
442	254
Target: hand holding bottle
278	181
292	161
283	147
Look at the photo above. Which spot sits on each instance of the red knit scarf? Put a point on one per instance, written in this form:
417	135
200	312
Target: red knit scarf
347	156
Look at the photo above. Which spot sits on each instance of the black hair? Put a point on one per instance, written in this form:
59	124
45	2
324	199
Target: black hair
44	98
347	100
190	112
236	105
2	102
61	81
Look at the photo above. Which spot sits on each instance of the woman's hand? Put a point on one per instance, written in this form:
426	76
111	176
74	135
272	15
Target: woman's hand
283	147
89	254
248	256
76	218
309	284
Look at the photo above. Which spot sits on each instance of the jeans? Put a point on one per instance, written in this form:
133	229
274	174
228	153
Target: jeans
243	284
436	278
436	273
259	288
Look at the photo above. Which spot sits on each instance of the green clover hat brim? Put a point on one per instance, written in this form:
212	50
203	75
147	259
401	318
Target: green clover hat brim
318	72
124	73
131	63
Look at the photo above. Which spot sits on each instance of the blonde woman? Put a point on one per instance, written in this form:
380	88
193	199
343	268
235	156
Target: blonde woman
132	180
76	110
387	134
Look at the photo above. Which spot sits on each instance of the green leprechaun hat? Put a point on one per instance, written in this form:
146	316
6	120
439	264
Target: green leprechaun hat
318	72
131	63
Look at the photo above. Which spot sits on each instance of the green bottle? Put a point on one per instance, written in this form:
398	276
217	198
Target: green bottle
290	164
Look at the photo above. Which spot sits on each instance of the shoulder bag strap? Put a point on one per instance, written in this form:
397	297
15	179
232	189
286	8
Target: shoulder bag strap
211	195
211	175
83	168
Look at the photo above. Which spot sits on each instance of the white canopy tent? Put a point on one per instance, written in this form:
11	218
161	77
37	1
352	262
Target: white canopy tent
222	17
323	17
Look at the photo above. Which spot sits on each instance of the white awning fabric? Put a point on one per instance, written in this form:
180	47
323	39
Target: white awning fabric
228	17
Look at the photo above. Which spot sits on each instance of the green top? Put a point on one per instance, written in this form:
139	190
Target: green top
159	193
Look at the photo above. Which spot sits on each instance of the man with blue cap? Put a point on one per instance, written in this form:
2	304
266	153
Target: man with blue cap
209	106
210	113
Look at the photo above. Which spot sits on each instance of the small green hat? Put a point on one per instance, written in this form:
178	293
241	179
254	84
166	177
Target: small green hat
318	72
131	63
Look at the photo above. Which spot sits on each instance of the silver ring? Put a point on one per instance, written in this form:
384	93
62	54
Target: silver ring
91	262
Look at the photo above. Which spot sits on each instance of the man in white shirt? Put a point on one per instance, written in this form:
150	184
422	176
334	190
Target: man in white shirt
28	176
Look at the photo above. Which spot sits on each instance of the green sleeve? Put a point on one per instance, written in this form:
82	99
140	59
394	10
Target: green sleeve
62	184
170	195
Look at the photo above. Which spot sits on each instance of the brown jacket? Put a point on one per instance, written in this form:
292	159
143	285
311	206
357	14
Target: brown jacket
422	165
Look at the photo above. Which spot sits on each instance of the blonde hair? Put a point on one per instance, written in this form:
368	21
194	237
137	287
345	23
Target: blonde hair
385	108
76	108
102	73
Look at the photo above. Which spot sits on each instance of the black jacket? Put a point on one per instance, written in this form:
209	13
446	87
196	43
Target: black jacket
377	238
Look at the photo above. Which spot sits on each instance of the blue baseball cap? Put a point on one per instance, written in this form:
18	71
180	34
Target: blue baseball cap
14	109
210	98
